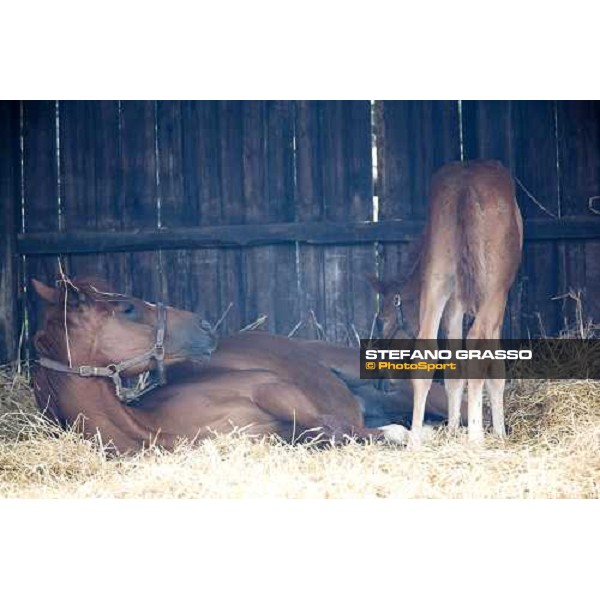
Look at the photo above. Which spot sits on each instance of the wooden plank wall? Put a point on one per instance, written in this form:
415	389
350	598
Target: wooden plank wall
111	166
10	217
334	183
553	148
40	192
578	126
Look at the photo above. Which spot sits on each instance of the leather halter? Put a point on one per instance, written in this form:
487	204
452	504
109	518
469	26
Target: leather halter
113	371
398	310
401	324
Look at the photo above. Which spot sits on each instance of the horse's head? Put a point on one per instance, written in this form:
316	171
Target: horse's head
86	323
398	315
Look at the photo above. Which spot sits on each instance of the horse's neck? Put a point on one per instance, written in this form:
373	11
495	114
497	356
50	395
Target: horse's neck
411	288
68	397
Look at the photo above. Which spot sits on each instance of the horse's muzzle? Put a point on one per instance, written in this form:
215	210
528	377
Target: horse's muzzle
198	338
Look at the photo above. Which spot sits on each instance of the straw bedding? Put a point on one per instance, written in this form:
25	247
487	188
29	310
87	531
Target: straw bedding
552	452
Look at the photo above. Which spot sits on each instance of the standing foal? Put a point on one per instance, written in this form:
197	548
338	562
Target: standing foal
470	254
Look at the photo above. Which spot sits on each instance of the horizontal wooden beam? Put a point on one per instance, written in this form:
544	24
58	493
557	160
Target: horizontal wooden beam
223	236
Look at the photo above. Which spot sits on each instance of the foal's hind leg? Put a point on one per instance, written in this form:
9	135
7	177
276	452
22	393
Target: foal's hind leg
495	388
434	295
453	324
486	327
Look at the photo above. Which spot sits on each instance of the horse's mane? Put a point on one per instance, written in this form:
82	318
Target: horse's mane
92	286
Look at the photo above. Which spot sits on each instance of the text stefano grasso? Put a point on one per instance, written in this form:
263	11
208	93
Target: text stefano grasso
460	354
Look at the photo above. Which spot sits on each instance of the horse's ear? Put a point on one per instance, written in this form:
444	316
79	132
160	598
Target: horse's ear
378	285
45	292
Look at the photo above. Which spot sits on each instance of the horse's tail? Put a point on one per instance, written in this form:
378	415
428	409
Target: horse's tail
471	259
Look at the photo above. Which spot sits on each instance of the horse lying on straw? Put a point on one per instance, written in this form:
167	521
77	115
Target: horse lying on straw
138	373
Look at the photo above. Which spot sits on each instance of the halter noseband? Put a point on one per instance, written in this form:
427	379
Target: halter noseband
114	370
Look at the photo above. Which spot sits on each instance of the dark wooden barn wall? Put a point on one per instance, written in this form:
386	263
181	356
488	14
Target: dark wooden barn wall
121	166
10	196
553	148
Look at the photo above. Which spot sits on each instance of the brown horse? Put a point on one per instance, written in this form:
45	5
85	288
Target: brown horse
93	343
468	259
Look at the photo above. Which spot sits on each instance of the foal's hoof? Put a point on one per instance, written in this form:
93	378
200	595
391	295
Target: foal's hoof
397	434
418	437
475	437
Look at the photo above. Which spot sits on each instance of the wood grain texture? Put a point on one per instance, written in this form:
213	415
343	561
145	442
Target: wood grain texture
309	208
10	209
320	233
579	159
203	190
267	204
41	194
139	191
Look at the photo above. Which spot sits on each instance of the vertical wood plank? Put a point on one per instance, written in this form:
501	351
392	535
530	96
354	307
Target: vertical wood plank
270	272
91	183
108	187
393	158
190	191
203	155
10	205
281	196
417	137
334	182
579	163
139	191
534	164
232	211
348	195
488	133
258	263
40	174
336	201
78	125
309	207
176	208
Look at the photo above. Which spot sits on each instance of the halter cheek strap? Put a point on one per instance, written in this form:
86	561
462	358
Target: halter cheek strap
399	313
114	370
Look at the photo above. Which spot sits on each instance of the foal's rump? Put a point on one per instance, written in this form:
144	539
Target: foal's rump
475	204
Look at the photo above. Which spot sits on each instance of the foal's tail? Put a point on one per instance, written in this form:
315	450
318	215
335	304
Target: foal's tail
471	259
